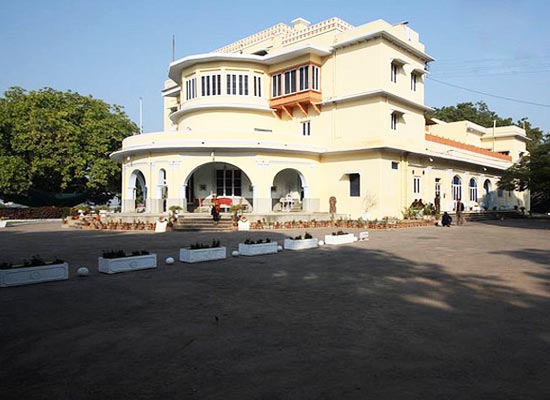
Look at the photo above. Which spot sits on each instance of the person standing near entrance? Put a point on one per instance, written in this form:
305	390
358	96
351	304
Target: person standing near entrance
215	211
459	209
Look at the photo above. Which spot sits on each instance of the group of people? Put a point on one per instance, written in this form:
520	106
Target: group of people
417	204
446	219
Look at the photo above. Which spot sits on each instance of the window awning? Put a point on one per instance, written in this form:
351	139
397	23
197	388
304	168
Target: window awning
399	61
419	71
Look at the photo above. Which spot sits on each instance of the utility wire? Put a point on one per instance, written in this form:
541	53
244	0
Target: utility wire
489	94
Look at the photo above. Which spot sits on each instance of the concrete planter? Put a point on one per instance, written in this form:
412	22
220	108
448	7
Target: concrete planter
124	264
199	255
340	239
301	244
28	275
257	249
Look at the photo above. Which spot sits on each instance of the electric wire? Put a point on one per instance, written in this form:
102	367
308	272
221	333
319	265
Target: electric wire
489	94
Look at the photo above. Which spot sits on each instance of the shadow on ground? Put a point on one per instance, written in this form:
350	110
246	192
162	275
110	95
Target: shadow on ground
374	320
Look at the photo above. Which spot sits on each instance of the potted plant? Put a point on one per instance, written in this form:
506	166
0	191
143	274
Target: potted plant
114	261
200	252
258	247
299	243
340	237
35	270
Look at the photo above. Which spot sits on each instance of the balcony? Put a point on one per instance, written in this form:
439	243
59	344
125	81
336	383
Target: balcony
301	100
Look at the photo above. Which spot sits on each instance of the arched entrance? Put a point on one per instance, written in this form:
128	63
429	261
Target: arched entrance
162	190
137	192
287	192
488	194
228	182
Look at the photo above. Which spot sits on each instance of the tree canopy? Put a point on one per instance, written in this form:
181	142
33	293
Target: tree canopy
53	141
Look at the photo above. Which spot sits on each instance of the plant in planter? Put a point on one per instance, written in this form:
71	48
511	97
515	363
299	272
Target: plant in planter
35	270
258	247
299	243
199	252
114	261
174	210
340	237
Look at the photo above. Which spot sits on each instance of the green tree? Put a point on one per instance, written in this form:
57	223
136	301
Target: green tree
532	172
56	141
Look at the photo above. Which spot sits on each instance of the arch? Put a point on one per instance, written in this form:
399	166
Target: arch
456	186
218	178
162	189
287	191
472	189
162	176
137	191
488	194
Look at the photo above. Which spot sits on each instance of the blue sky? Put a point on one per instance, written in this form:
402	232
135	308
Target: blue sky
119	51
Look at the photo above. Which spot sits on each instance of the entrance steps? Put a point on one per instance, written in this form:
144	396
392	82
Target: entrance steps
203	223
479	216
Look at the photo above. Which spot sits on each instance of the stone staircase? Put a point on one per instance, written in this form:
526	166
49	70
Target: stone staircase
203	223
478	216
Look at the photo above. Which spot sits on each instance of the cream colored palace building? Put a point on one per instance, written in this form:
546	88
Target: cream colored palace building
293	115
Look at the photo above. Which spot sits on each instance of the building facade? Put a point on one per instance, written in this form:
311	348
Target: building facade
298	117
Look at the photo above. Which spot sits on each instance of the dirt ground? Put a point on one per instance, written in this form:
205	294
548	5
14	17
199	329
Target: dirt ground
417	313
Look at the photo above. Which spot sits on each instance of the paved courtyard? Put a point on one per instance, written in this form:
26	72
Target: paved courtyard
417	313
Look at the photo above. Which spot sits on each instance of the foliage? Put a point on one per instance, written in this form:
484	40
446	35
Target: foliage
197	246
531	172
122	254
259	241
175	208
33	213
35	261
299	237
55	141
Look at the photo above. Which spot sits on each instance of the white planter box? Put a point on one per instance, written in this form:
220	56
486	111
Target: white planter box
340	239
123	264
200	255
28	275
257	249
301	244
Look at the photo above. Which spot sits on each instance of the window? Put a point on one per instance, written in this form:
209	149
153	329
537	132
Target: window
306	128
258	86
416	185
299	79
191	88
394	71
354	185
394	118
394	165
228	182
303	73
500	192
315	77
237	84
290	81
276	83
473	190
438	186
414	77
211	85
456	187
